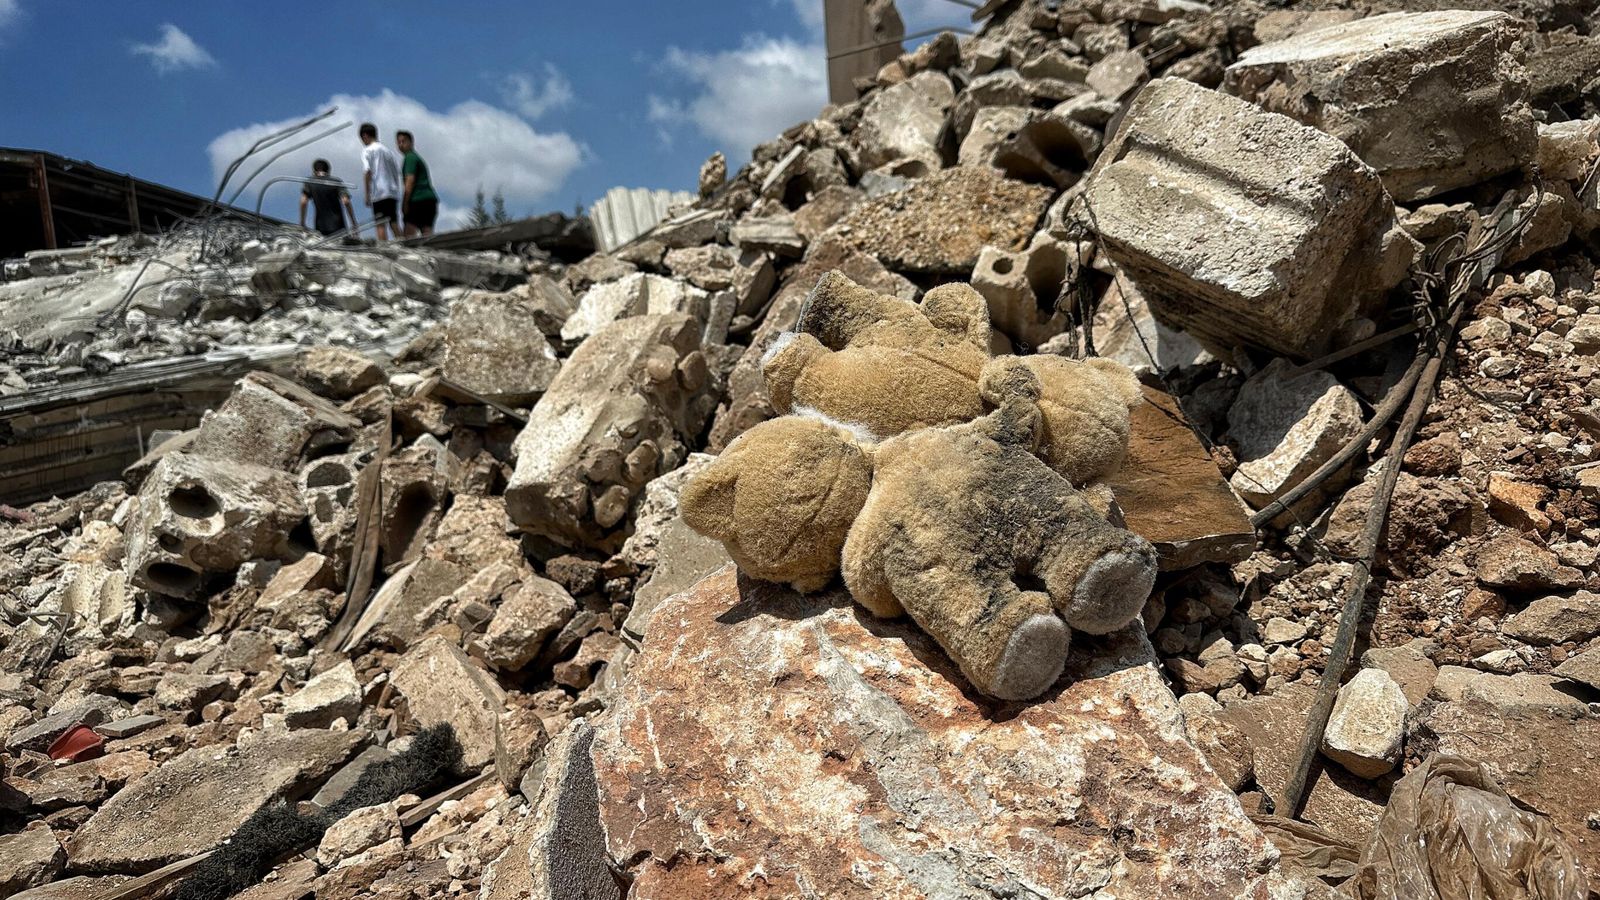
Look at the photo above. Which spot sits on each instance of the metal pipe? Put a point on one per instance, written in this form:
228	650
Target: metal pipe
850	51
281	153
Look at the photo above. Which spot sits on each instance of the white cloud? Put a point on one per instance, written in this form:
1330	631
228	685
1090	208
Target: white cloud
520	93
175	51
471	144
745	96
10	12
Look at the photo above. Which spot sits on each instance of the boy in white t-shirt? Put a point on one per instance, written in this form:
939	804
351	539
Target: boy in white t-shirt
381	182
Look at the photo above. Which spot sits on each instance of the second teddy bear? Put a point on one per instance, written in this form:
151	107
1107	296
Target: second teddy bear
885	367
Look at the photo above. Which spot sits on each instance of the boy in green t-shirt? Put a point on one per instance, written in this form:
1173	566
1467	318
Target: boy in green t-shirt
419	205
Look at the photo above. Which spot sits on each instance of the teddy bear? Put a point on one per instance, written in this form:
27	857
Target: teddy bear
960	526
883	366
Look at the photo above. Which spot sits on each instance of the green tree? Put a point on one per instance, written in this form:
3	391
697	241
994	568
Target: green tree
498	215
478	216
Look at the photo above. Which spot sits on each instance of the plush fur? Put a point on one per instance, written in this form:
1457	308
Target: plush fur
982	544
989	550
781	499
887	367
279	829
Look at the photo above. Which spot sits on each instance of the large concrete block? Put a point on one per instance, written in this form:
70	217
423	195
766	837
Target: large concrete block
271	421
904	121
198	516
494	346
1243	227
1431	100
636	295
619	414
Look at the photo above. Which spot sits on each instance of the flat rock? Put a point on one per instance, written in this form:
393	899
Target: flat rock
82	887
940	223
1556	620
1172	494
442	685
29	858
194	801
1583	668
1408	666
1518	564
527	616
1367	728
1336	800
39	735
872	770
1288	427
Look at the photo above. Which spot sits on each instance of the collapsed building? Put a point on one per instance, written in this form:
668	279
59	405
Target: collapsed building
1349	252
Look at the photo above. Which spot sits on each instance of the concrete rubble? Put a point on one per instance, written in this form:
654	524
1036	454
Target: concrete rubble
335	494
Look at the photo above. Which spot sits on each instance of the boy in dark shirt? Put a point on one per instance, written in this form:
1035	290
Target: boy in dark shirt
330	198
419	205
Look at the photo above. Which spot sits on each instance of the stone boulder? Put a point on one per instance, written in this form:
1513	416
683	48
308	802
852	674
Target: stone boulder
904	121
441	685
793	745
1243	227
1431	100
1286	428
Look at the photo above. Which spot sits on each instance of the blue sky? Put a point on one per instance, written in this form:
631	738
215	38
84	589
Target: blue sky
552	103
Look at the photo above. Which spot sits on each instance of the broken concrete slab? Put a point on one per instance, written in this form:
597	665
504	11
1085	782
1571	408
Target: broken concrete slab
269	421
1431	100
617	416
1243	227
772	234
441	685
1044	147
904	121
639	294
336	372
1172	494
196	800
494	347
941	223
839	789
198	516
1286	428
1367	729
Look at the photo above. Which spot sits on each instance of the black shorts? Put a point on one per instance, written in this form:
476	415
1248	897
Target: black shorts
422	213
387	210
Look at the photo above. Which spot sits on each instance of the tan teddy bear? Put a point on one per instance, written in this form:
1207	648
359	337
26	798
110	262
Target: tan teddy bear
883	366
990	551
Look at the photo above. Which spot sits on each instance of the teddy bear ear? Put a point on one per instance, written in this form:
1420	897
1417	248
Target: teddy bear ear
1120	378
959	310
706	503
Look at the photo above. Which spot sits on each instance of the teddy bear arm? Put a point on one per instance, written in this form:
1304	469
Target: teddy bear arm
862	562
1098	575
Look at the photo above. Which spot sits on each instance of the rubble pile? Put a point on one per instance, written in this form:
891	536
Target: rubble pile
472	499
74	314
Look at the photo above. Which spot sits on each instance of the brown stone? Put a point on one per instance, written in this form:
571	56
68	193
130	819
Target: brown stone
872	770
1515	563
1435	456
1172	494
1516	503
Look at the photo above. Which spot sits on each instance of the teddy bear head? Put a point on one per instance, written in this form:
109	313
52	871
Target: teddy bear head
782	497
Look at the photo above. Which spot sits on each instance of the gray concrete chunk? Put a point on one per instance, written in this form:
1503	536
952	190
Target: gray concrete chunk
1243	227
1431	100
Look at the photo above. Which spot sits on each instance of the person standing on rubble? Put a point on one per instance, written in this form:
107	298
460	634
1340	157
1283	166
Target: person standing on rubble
418	202
381	181
330	199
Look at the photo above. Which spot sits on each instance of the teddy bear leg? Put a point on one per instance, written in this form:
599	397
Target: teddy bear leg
1099	580
862	563
1009	643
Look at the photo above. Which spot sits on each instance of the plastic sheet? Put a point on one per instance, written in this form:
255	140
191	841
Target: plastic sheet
1450	832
